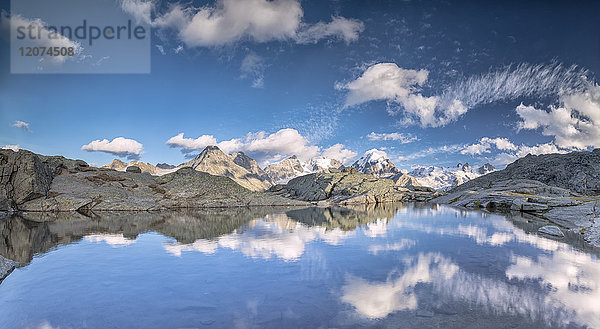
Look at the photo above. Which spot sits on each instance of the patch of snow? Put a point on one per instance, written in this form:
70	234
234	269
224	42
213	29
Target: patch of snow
444	178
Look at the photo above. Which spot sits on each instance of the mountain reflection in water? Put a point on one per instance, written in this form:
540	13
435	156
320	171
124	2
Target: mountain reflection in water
410	265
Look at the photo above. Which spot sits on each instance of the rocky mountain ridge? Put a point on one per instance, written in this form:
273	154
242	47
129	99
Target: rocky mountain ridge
239	167
160	169
348	187
575	171
37	183
246	171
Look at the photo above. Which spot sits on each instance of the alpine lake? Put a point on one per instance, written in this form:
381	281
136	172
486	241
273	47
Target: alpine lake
412	265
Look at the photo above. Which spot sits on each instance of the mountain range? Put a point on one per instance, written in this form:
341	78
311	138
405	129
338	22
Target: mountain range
157	170
246	172
237	166
444	178
288	168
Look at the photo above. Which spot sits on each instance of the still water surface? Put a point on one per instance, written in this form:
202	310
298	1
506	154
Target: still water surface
411	266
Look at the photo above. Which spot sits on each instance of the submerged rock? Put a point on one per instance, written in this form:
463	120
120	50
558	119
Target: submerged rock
551	230
6	267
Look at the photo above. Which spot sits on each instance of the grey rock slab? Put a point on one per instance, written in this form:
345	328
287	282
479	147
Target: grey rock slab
575	171
529	206
574	217
551	230
563	202
6	267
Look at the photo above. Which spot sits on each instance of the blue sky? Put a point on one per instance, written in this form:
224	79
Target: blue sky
361	74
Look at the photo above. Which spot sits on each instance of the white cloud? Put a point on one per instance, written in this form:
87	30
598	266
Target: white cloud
401	88
262	146
477	148
21	124
574	123
546	148
509	151
383	81
341	28
484	145
15	148
398	86
189	145
431	151
119	146
513	82
57	40
502	143
253	68
139	9
277	145
338	152
524	150
230	21
177	17
399	137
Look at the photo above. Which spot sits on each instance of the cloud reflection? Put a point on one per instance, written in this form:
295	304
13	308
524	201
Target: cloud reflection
378	299
114	240
397	246
572	278
560	286
273	236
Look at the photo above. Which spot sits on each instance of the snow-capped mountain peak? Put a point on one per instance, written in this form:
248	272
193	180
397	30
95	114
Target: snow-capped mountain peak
375	162
288	168
441	178
320	163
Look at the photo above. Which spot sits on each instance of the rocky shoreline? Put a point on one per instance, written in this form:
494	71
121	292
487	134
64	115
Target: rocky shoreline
35	183
27	234
48	184
559	188
568	211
